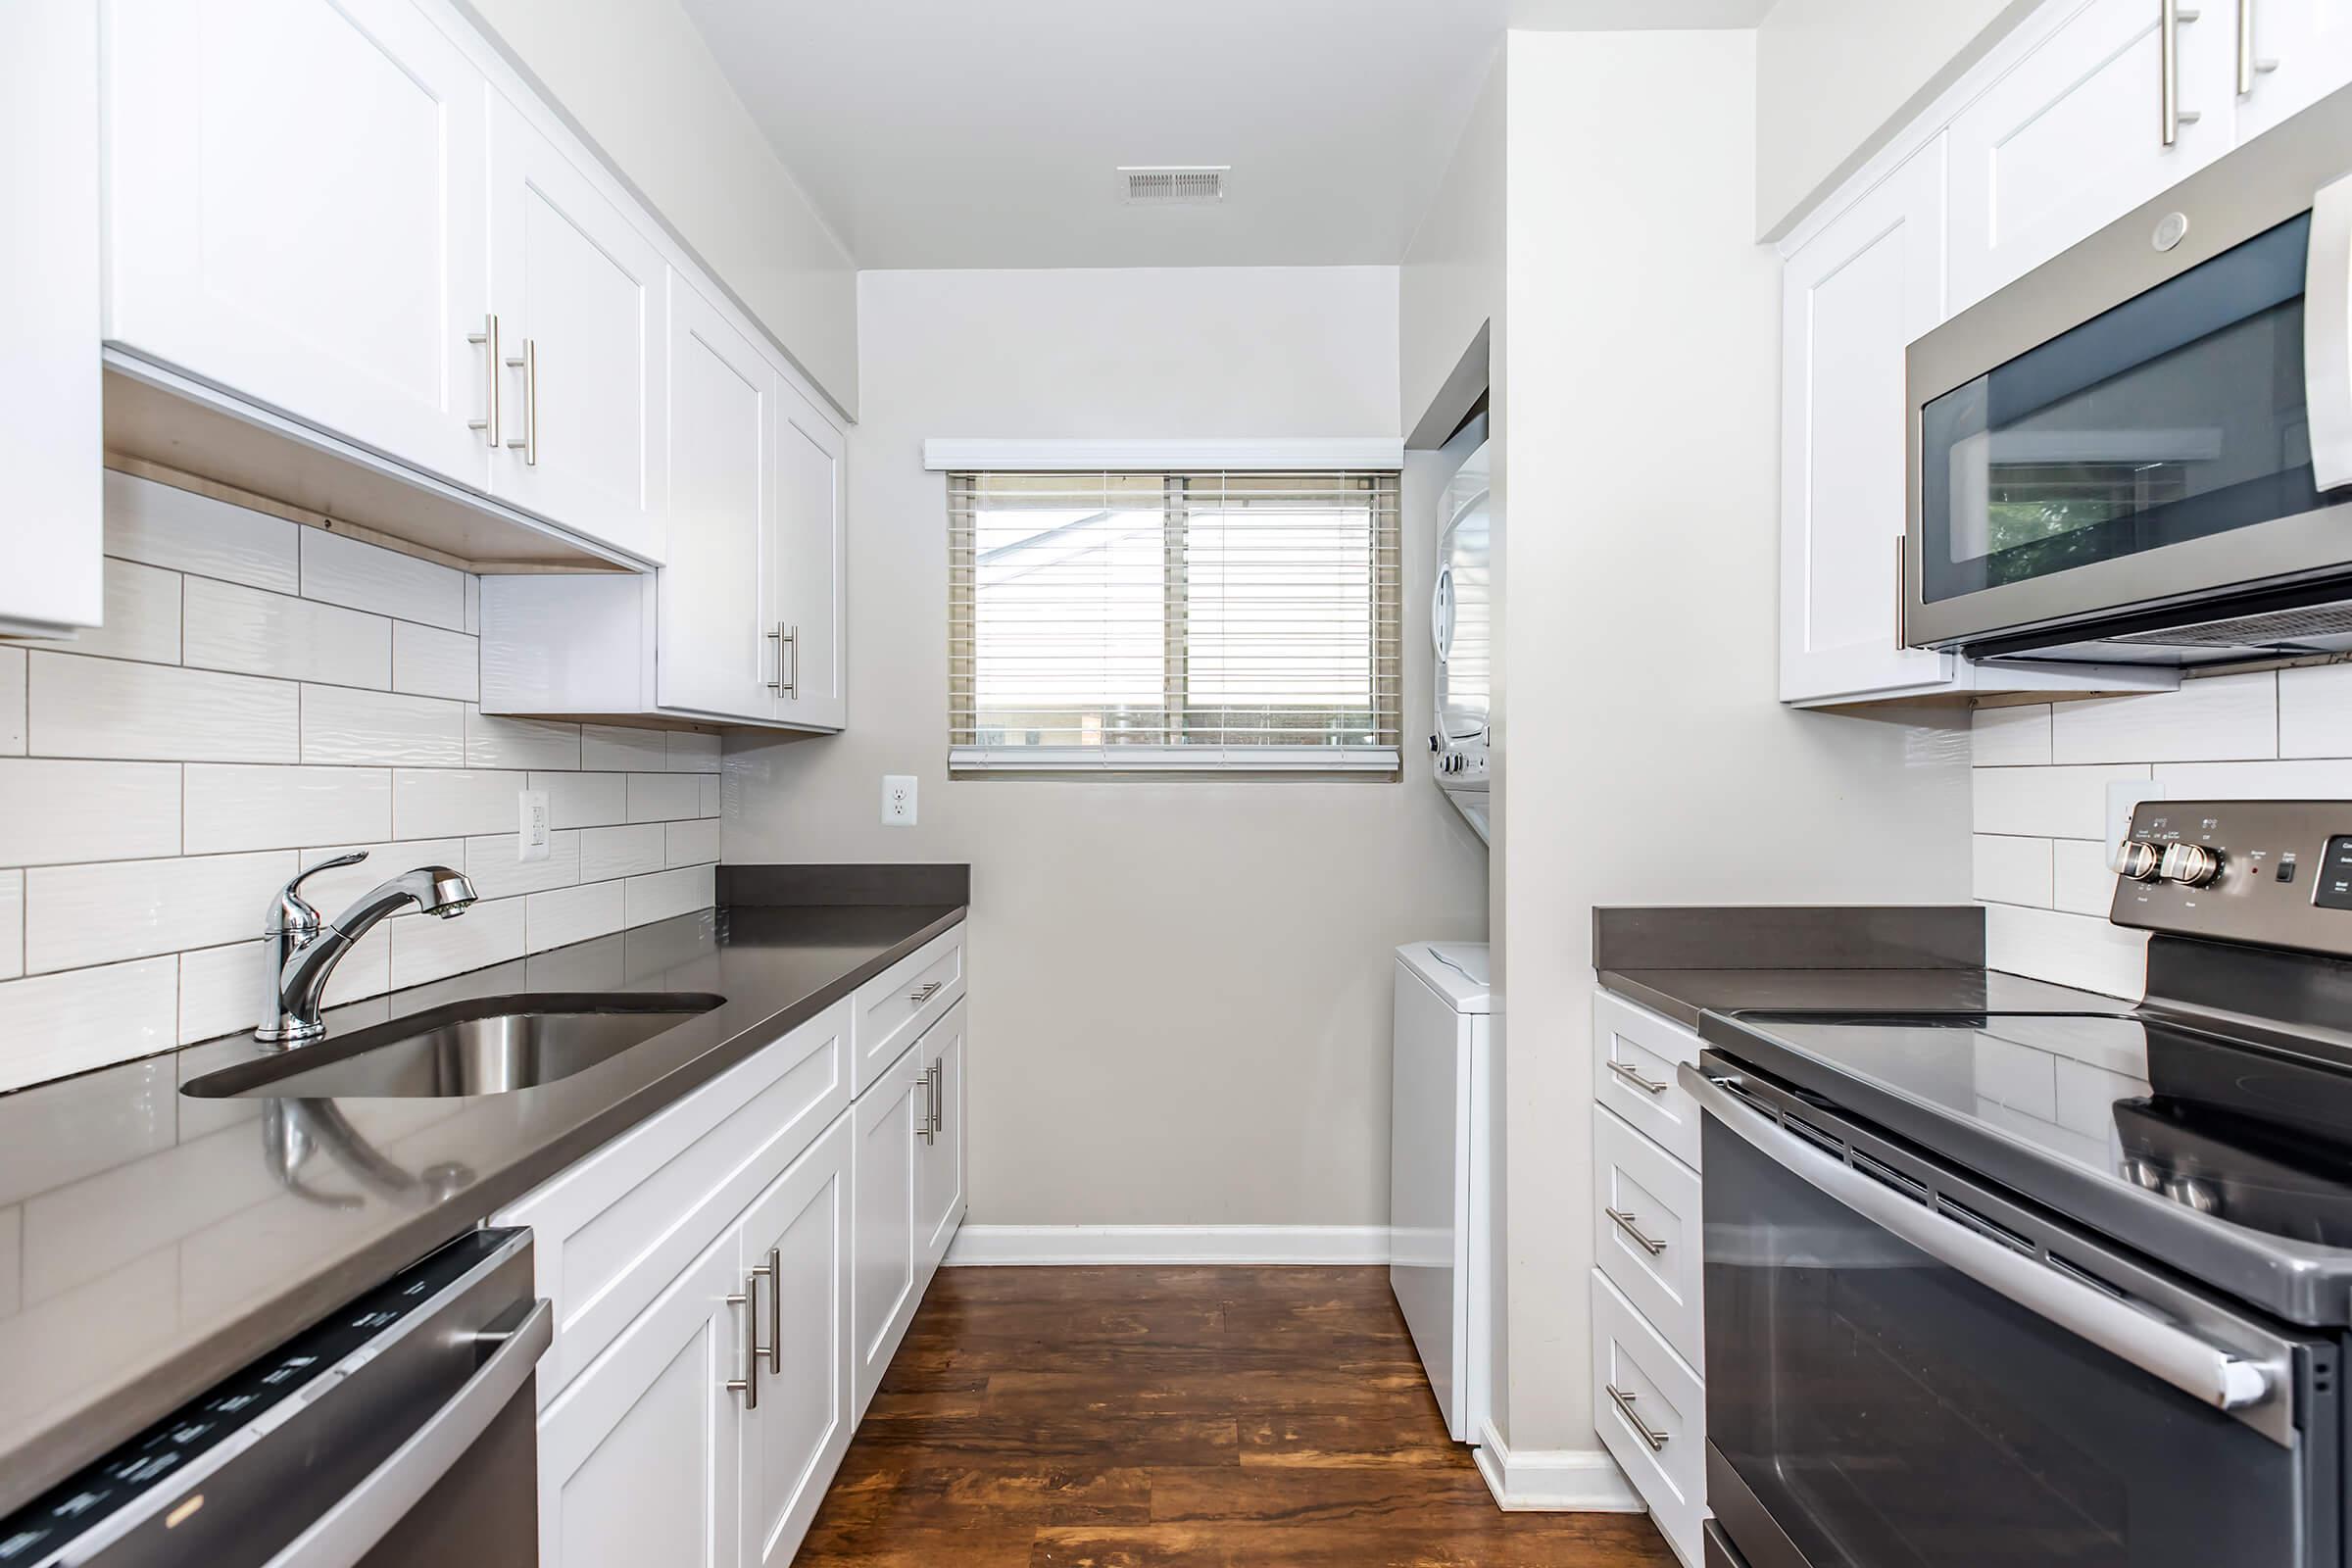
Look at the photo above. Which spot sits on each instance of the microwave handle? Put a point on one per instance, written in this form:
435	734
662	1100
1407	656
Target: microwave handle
2203	1371
2328	335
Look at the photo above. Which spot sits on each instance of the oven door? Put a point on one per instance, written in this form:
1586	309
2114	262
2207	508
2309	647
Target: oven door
1905	1368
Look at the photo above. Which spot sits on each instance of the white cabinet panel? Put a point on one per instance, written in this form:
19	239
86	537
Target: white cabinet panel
1646	1232
810	581
640	1460
715	652
578	291
2069	140
2307	44
1854	298
297	212
894	1008
1651	1413
940	1183
885	1273
1634	1074
799	1229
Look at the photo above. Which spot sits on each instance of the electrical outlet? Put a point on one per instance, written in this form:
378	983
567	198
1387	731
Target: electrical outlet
2123	794
898	800
530	832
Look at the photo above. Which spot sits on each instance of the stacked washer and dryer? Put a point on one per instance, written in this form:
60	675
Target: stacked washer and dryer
1441	1073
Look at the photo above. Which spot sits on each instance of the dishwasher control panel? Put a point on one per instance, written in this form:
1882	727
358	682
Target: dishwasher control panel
2277	873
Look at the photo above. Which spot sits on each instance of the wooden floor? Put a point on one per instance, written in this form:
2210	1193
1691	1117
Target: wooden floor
1176	1418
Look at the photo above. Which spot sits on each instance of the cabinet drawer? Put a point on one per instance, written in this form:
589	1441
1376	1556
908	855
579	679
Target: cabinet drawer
1646	1231
1634	1052
612	1232
894	1008
1651	1411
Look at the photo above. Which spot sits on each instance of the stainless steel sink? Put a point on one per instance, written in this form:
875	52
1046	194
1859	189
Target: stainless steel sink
488	1045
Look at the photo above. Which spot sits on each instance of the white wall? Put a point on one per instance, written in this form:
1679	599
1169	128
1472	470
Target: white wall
1180	991
1452	280
1651	764
262	696
1836	78
636	79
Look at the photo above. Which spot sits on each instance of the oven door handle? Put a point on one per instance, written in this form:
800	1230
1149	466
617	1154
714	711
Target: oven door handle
2328	335
2203	1371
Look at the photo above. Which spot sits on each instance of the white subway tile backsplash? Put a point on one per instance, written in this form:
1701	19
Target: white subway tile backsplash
2081	882
585	799
77	916
706	789
366	576
433	663
2073	949
2206	719
694	843
110	708
55	813
571	915
260	633
2011	871
664	798
341	724
164	526
619	749
233	805
2011	737
444	803
492	741
141	617
693	751
2302	780
473	604
12	924
2059	803
12	702
426	949
611	852
664	894
56	1024
221	990
496	873
2315	712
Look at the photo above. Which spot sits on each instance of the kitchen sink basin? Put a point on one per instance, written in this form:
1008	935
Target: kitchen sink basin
488	1045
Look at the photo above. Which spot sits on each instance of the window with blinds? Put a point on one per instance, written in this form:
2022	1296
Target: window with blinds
1146	622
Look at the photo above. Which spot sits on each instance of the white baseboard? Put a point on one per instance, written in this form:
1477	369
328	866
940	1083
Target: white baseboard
1553	1480
999	1245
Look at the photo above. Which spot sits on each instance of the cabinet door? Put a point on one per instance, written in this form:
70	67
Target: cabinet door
884	1270
713	653
2069	140
297	212
810	583
578	294
1853	299
639	1459
940	1206
792	1442
2307	46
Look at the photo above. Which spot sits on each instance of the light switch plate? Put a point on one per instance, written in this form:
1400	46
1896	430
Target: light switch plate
530	831
898	800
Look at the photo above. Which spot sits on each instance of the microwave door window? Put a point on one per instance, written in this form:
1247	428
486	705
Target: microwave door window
2177	415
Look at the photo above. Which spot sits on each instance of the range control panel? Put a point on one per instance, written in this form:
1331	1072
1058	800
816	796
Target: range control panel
2274	873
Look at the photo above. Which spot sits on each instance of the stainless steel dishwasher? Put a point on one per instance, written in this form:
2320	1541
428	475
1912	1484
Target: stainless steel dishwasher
400	1431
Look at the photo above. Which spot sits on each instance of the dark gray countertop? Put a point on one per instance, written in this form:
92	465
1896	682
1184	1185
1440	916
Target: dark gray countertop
1685	994
148	1247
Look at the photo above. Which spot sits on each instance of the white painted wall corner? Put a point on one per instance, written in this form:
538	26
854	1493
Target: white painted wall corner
1002	1246
1553	1480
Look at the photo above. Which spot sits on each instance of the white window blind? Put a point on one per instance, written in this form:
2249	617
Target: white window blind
1146	622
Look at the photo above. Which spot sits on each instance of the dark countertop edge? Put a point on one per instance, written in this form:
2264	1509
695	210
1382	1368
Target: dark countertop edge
1788	936
858	883
43	1461
1650	997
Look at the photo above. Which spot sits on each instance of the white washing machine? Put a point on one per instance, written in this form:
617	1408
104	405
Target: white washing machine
1461	624
1438	1175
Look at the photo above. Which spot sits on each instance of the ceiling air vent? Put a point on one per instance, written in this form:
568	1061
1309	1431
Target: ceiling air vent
1193	185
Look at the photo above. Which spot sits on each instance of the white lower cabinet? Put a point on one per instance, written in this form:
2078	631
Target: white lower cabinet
1648	1308
730	1279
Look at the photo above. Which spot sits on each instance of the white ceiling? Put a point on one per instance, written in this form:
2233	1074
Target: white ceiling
986	132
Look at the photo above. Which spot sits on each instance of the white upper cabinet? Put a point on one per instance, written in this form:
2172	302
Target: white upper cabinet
1853	299
715	652
810	574
296	214
576	293
2295	52
2071	138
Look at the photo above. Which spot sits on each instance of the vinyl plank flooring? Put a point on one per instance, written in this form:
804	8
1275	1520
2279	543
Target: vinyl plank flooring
1176	1418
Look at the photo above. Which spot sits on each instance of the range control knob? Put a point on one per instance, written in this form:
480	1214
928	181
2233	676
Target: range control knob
2137	862
2192	866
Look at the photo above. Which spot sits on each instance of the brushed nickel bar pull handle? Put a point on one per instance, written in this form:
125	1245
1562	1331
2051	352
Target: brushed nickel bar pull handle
922	1125
784	639
2172	16
487	337
1649	1434
1628	1223
775	1309
528	364
939	1096
925	993
1633	1075
748	1385
2250	64
792	688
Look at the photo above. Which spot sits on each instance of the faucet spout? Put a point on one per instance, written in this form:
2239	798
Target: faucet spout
304	949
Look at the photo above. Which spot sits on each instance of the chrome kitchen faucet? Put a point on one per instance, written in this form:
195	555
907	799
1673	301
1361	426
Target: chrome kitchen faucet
304	949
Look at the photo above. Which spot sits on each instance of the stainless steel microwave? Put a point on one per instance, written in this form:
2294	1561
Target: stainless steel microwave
2141	451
